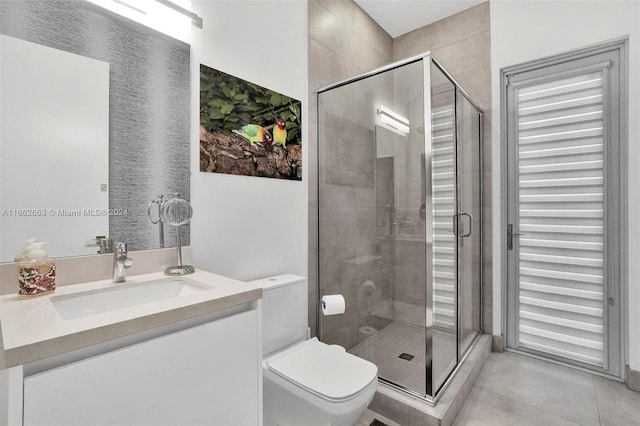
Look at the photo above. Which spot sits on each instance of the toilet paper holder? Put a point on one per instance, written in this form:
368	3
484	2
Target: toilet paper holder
332	304
369	287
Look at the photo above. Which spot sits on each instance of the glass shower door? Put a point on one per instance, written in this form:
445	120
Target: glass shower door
456	212
443	269
469	215
371	238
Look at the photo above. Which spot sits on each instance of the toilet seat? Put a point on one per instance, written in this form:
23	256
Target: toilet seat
323	370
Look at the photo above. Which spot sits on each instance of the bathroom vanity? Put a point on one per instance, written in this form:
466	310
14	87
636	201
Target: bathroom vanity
154	350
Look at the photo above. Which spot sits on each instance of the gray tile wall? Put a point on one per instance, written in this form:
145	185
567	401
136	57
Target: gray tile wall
343	42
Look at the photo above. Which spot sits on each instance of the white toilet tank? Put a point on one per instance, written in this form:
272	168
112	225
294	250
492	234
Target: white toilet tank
284	311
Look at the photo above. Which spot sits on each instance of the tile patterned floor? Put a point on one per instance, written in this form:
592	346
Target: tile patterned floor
385	347
519	390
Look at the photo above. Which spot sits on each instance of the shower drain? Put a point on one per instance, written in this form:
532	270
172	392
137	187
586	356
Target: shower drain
406	356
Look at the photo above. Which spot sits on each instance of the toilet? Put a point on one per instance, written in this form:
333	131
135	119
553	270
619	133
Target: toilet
306	382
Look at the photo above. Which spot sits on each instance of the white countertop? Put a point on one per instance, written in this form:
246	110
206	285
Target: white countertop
32	328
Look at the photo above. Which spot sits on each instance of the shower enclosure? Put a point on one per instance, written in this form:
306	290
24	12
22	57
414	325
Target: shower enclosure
399	214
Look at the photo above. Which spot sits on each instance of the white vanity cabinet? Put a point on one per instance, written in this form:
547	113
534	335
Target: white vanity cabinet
208	374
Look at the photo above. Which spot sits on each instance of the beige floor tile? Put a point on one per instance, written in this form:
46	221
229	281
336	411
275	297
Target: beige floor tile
559	390
617	404
484	407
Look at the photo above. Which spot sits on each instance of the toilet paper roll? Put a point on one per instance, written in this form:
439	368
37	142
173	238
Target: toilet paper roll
365	332
333	304
369	287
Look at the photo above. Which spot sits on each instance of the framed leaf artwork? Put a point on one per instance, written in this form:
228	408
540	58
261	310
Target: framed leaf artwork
247	129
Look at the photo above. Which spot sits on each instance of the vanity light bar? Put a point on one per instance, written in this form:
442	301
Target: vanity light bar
171	17
393	119
196	21
130	6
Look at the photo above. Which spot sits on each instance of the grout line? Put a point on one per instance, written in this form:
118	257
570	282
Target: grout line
526	404
465	401
460	40
595	395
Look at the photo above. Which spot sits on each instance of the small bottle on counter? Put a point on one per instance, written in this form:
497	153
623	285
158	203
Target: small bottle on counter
28	246
36	272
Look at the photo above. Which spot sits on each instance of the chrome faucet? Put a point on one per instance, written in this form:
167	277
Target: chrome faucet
121	262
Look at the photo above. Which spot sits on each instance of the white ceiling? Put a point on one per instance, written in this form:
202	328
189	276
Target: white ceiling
401	16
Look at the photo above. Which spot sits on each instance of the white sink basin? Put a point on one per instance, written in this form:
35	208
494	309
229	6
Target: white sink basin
78	305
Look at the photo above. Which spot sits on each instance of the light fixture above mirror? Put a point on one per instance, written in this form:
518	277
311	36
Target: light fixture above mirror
171	17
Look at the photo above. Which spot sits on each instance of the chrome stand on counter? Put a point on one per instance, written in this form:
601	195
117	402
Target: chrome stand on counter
160	202
176	212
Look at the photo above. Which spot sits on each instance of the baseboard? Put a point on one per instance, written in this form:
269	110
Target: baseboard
633	379
497	343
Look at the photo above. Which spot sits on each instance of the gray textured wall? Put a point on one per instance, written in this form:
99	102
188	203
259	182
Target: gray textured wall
149	103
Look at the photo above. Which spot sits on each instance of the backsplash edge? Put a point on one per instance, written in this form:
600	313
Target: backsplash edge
79	269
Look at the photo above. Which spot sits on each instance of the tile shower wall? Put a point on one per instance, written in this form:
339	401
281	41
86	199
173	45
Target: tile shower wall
343	42
149	103
338	49
462	43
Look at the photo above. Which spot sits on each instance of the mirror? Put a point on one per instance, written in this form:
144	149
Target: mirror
40	164
105	127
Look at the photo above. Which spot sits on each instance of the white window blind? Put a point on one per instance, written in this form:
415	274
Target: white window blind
443	187
561	213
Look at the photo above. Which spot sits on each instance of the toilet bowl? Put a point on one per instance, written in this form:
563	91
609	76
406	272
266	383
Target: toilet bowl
307	382
316	384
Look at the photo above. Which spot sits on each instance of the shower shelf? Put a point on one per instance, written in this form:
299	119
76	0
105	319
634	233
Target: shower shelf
361	260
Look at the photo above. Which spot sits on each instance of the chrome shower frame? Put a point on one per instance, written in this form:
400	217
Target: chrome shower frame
426	58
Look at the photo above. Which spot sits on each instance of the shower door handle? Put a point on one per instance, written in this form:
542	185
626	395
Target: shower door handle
456	225
468	234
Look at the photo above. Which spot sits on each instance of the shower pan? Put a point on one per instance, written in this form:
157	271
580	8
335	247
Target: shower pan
399	221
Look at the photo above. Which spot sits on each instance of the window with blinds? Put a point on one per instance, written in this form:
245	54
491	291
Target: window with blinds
560	210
